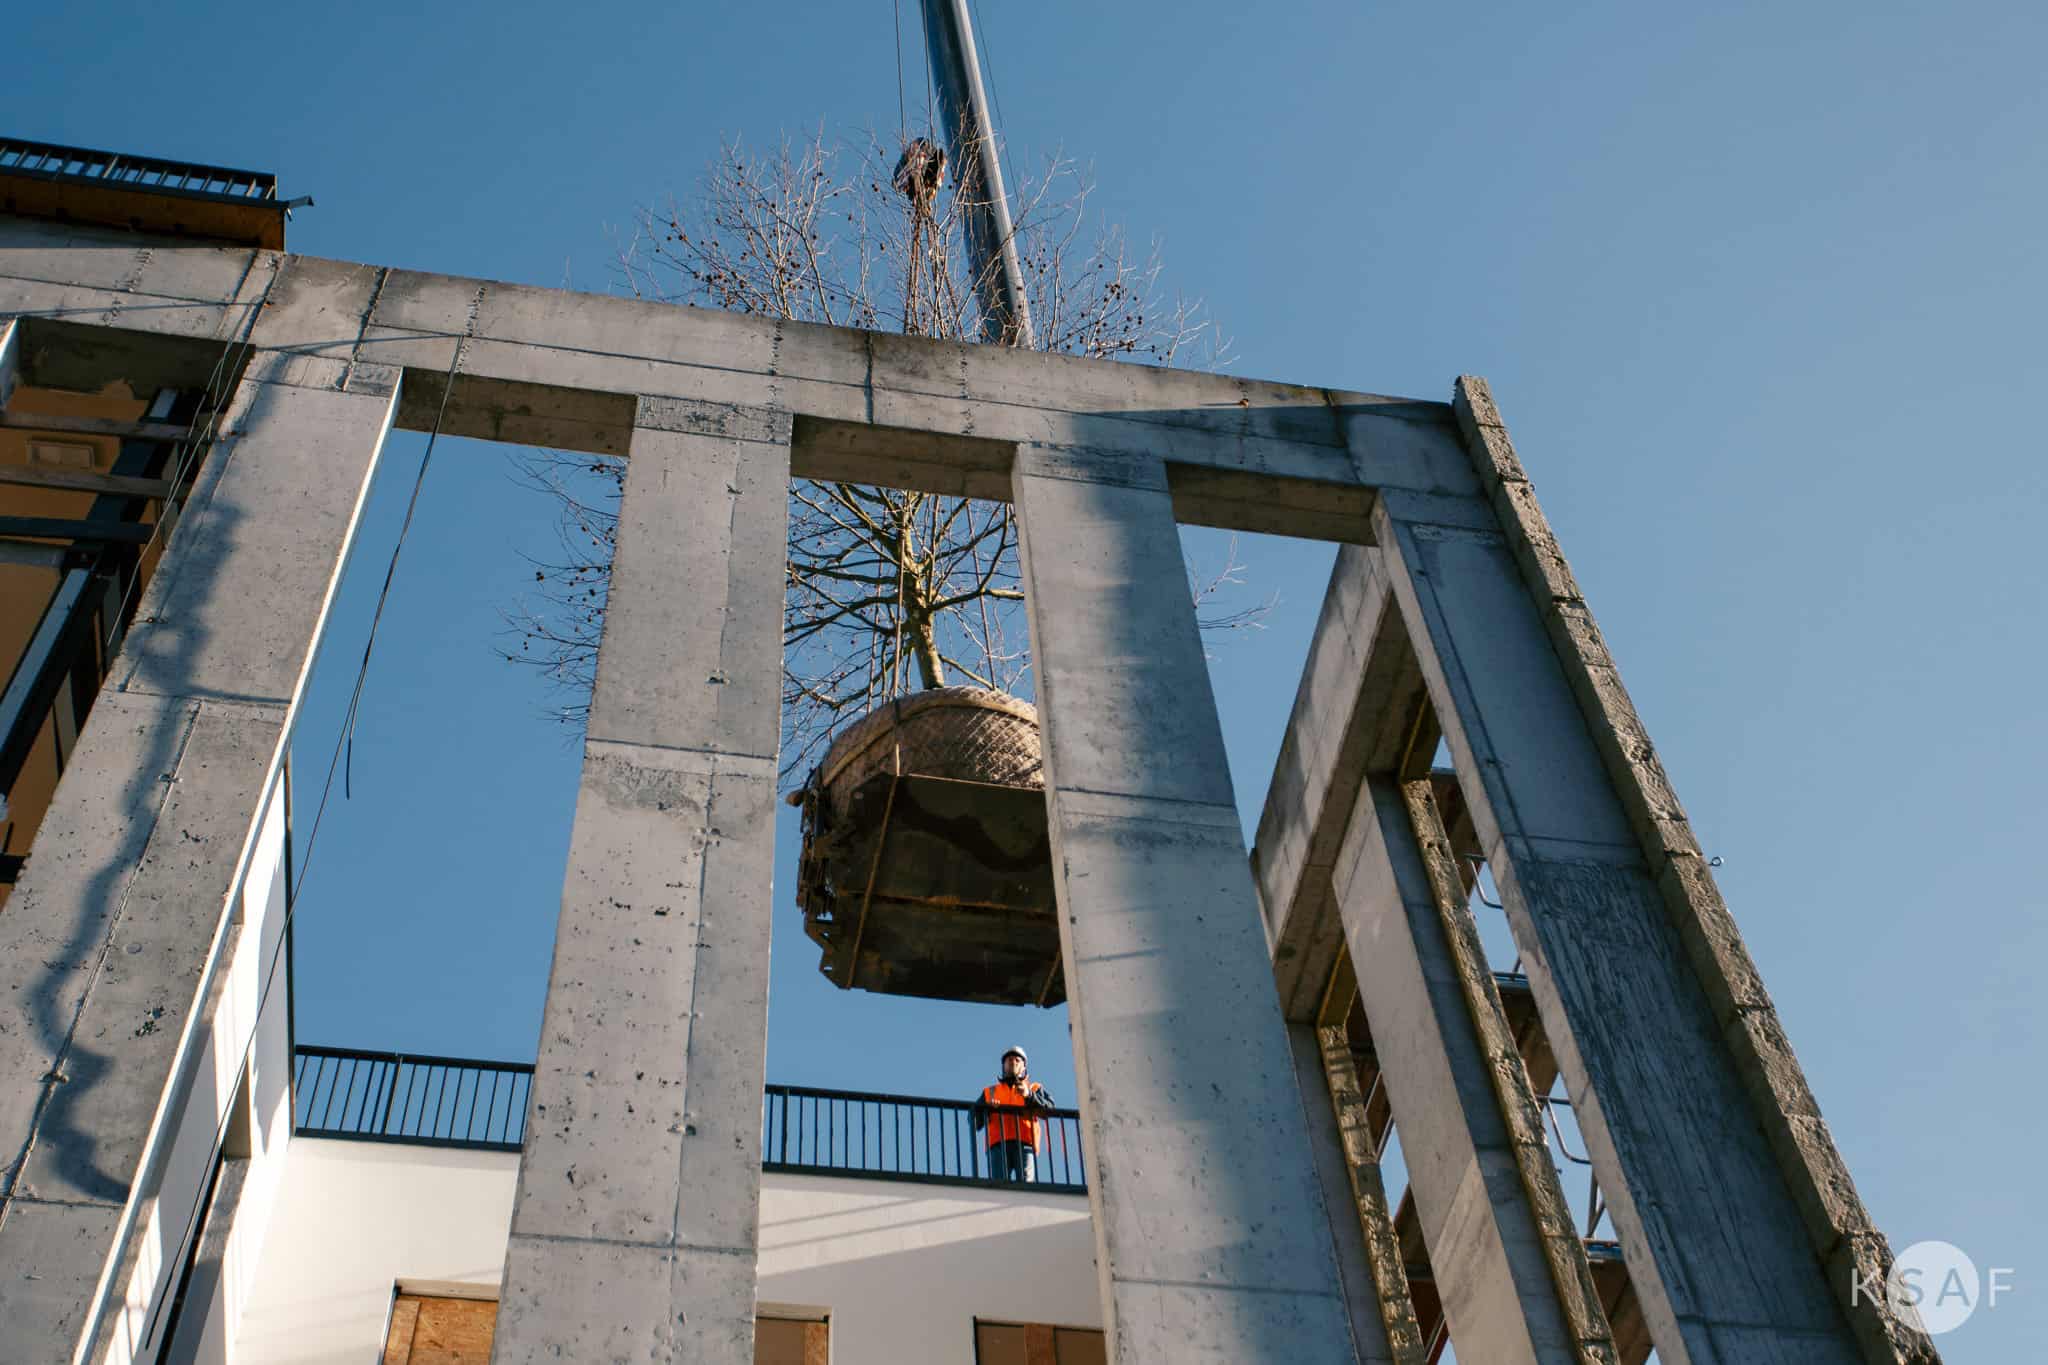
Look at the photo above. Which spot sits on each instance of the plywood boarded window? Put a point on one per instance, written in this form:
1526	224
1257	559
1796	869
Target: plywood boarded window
792	1341
433	1329
1033	1343
438	1329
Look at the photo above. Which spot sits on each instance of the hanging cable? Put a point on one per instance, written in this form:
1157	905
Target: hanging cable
930	122
902	110
348	726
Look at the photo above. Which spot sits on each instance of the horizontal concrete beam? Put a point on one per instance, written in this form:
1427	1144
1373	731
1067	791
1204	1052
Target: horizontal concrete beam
57	353
544	366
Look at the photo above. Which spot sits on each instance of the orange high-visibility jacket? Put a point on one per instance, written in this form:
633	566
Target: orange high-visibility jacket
1008	1120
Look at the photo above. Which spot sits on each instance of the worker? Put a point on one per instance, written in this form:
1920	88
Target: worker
1007	1110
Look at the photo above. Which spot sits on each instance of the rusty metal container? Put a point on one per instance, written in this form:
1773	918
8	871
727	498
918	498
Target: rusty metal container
927	866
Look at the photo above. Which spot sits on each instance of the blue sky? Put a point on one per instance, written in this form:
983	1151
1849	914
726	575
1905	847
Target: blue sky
1758	288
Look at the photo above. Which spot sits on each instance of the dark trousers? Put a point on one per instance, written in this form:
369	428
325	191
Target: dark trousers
1012	1160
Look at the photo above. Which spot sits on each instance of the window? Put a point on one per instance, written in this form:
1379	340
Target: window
452	1328
792	1341
437	1329
1031	1343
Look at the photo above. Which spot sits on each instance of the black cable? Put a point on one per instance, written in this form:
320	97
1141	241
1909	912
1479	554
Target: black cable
347	745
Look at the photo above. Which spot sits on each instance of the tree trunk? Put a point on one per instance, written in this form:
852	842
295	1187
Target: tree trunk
924	643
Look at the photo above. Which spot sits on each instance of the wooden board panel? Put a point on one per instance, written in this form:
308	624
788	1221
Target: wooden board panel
792	1341
1079	1346
998	1343
1037	1343
443	1331
405	1315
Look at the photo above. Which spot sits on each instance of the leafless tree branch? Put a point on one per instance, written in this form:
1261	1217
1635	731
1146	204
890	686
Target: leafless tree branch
888	590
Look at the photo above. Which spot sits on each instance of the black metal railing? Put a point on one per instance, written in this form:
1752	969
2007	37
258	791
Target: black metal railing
898	1137
396	1097
461	1102
53	161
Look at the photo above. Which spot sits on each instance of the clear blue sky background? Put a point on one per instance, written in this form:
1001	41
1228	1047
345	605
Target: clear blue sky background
1759	288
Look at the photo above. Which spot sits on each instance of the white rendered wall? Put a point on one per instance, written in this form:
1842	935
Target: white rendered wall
902	1268
269	1119
350	1219
244	1036
905	1269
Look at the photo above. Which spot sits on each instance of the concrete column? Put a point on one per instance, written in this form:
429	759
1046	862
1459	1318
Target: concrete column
634	1226
1209	1227
1361	1221
1712	1234
1484	1238
106	940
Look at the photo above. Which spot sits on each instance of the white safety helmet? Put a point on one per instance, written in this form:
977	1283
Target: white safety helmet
1018	1053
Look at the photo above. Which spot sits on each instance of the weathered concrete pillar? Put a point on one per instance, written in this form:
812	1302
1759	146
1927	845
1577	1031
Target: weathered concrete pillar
1368	1254
634	1226
1484	1239
105	941
1713	1236
1209	1228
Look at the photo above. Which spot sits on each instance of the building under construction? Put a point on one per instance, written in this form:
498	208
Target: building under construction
189	418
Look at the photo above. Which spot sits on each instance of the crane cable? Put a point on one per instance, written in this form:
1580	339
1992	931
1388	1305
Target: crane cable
902	110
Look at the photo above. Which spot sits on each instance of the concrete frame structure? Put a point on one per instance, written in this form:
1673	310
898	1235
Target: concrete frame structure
1229	1226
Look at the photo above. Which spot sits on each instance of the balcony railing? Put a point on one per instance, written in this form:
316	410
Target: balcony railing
461	1102
85	165
143	194
393	1097
898	1137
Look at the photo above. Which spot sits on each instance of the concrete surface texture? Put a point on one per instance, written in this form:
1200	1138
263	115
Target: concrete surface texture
635	1225
113	936
1482	1229
1208	1218
634	1229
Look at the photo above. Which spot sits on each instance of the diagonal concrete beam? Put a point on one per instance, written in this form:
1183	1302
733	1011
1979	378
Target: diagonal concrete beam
110	941
1355	711
1664	890
1336	734
1712	1235
1361	1220
1485	1239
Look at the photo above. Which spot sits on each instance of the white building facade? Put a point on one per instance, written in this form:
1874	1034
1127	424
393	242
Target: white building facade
897	1272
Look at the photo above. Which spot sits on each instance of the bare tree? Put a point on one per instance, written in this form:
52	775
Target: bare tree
889	590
